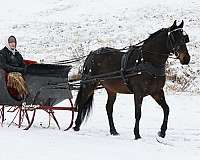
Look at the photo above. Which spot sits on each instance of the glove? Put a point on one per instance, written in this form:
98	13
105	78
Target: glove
25	69
22	70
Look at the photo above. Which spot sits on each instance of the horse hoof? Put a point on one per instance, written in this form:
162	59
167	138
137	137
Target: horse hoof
114	133
160	134
138	137
76	128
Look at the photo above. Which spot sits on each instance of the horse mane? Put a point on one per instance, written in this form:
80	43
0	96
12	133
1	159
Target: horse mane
153	35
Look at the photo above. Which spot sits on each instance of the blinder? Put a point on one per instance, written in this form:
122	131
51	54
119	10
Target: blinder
186	38
182	37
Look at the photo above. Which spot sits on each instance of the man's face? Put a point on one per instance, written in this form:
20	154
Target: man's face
12	45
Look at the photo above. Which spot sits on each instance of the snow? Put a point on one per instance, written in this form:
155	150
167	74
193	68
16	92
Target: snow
93	141
51	30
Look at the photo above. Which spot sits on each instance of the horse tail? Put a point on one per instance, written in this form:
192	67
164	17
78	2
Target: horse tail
84	107
84	99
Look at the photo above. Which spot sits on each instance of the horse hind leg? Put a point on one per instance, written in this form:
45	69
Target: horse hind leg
83	103
160	99
109	108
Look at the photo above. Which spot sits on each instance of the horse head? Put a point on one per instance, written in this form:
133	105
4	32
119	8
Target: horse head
177	39
157	48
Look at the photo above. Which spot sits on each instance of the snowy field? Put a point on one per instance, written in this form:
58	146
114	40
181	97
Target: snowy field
94	142
49	30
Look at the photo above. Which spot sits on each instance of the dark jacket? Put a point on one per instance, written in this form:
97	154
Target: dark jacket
11	62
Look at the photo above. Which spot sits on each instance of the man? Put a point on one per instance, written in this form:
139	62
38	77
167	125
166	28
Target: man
12	62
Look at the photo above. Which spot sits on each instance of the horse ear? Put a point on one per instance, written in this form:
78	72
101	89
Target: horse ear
174	26
181	25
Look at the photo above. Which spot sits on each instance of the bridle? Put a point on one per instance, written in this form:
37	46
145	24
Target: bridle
174	45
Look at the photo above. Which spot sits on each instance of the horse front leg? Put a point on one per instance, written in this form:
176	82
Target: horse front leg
160	99
138	104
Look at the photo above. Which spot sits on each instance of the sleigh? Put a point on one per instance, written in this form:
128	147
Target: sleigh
47	85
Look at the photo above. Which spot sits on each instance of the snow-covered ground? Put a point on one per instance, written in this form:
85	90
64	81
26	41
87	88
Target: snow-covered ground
94	142
50	30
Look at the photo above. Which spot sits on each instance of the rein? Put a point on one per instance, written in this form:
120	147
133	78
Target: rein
70	60
156	53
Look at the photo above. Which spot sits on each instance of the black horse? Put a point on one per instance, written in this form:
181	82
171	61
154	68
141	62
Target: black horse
139	71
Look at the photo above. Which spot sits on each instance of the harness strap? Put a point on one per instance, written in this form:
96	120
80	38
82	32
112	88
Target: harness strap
123	70
140	66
